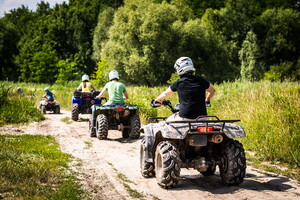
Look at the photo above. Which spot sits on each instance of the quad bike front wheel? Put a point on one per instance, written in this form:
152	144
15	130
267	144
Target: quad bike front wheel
167	167
233	163
91	127
75	111
147	168
102	127
135	125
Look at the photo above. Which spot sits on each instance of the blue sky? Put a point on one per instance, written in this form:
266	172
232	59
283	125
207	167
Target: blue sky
7	5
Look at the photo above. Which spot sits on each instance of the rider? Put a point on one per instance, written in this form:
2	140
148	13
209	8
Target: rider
191	91
115	90
49	95
85	86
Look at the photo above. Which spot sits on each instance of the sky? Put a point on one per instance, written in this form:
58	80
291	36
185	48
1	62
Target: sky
7	5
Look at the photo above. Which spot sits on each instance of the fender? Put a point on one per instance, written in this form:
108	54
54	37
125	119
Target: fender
149	141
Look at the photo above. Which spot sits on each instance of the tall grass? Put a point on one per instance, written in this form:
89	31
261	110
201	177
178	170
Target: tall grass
32	167
15	108
270	114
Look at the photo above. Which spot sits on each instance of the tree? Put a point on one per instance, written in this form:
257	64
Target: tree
8	49
252	66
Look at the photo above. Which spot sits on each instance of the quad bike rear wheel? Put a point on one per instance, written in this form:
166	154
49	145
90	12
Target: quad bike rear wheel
57	110
147	168
75	111
91	127
167	167
135	125
102	127
43	109
233	163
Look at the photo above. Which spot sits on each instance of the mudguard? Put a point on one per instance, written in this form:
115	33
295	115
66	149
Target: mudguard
149	141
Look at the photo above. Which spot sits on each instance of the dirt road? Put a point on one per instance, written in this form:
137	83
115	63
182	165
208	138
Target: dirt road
109	169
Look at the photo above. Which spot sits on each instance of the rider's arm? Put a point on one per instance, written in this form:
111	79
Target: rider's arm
210	93
101	94
80	86
126	95
168	92
93	87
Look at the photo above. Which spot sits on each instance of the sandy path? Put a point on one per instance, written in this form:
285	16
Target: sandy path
101	162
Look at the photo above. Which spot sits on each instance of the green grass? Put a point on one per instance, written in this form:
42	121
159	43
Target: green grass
67	120
32	167
15	108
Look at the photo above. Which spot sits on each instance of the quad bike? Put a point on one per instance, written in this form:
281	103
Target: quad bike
202	144
82	103
53	106
114	117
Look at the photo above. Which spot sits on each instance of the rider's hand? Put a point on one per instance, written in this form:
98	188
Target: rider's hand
156	103
207	103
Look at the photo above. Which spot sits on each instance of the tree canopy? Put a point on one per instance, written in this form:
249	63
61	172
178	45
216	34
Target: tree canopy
226	39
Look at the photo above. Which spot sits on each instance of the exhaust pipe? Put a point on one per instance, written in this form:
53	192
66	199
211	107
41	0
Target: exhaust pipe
216	138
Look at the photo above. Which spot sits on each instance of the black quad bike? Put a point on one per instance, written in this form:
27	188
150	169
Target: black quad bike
52	106
114	117
202	144
82	103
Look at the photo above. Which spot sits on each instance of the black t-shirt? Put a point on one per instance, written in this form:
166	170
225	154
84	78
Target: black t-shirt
191	92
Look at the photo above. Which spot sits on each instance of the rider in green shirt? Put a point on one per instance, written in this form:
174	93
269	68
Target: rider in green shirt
115	90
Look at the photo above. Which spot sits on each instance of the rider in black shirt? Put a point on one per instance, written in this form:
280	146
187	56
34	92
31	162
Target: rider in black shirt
191	91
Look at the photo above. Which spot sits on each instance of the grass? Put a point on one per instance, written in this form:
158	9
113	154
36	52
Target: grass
67	120
124	179
32	167
15	108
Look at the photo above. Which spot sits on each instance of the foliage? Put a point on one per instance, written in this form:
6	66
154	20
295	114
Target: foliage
101	75
252	67
15	108
270	114
142	39
32	167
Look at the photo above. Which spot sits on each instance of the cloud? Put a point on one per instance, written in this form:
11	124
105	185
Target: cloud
7	5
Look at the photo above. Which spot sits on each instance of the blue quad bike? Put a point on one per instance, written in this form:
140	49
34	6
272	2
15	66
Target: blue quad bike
201	144
82	103
114	117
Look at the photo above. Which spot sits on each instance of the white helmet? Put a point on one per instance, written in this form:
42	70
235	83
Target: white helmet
46	88
113	75
85	78
184	65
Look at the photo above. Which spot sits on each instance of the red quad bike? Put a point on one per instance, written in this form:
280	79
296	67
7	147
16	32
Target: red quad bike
53	106
202	144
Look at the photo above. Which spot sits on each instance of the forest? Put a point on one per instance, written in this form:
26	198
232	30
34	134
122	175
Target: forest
227	40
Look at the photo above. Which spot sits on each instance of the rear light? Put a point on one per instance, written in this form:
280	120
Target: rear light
50	103
119	108
205	129
88	99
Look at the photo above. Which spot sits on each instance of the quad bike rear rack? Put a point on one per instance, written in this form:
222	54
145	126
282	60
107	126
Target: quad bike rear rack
201	122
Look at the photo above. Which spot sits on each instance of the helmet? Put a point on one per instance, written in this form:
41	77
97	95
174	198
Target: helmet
113	75
85	78
46	88
184	65
18	88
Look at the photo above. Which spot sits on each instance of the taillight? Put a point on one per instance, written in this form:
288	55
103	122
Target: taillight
119	108
88	99
205	129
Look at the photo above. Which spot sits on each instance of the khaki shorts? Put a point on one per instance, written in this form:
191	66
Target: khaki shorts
176	117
